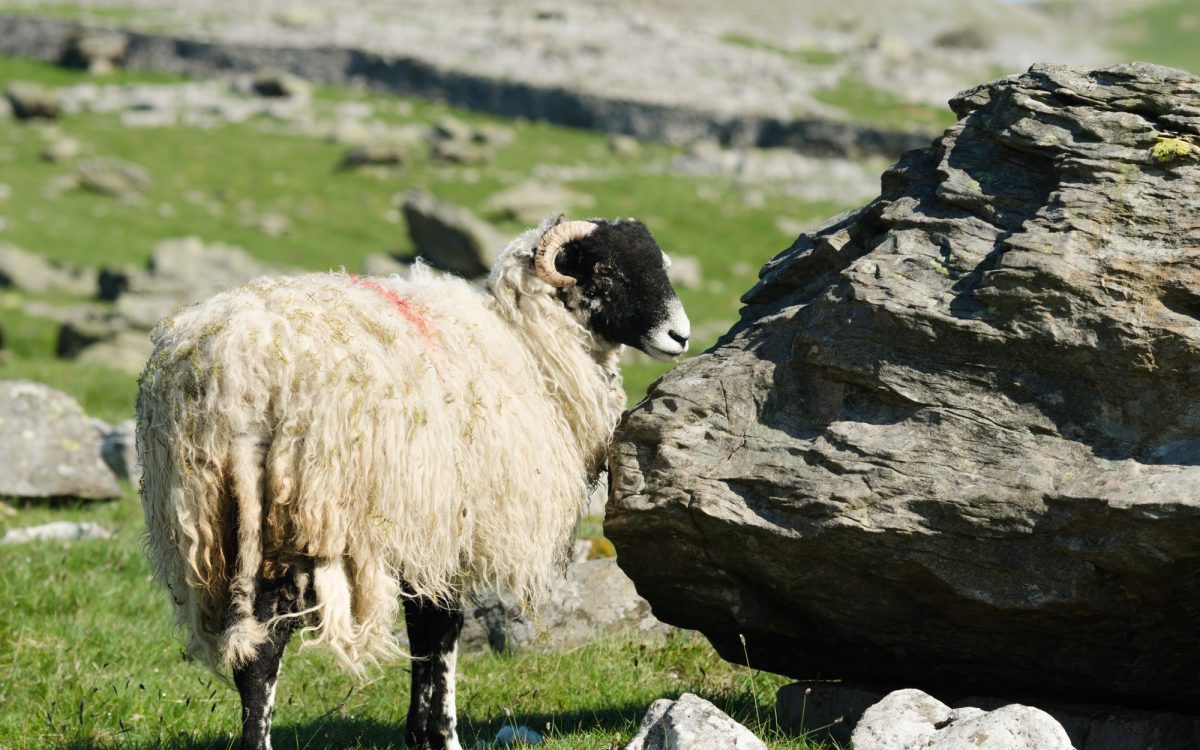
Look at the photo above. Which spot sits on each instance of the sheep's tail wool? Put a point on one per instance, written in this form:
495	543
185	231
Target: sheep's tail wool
383	438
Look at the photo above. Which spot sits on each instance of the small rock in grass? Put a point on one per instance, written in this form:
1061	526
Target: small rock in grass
56	531
459	152
685	272
275	84
61	149
115	177
384	264
623	145
375	154
32	101
693	723
30	272
510	735
528	202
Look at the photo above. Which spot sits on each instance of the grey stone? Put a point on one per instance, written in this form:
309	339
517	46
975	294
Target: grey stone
83	326
126	352
623	145
450	237
30	272
459	152
114	177
954	433
384	264
530	201
32	101
692	723
48	447
190	270
375	154
97	51
907	719
119	450
61	149
685	272
278	84
56	531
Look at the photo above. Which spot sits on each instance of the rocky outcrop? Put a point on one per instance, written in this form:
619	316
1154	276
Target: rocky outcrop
48	446
952	443
449	236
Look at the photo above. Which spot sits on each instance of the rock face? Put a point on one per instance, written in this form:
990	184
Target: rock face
908	719
952	443
48	446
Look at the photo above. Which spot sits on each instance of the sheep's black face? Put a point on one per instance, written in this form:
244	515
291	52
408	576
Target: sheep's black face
621	278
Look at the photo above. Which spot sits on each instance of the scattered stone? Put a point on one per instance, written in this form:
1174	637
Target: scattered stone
450	237
119	450
459	152
5	191
61	149
934	404
384	264
85	325
188	270
32	101
375	154
149	118
279	85
97	51
126	352
530	201
518	735
28	272
692	723
684	272
909	718
493	135
48	446
56	531
451	129
623	145
114	177
271	223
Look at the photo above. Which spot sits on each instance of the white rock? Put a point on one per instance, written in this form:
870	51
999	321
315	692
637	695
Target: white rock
691	723
56	531
912	720
510	735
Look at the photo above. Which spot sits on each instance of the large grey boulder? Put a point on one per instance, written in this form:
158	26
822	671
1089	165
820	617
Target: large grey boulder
98	51
910	719
952	442
33	101
450	237
691	723
48	446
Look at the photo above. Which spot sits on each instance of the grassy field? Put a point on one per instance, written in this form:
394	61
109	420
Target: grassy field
88	658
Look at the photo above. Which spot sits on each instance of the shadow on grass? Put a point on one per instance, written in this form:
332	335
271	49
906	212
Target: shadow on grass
350	733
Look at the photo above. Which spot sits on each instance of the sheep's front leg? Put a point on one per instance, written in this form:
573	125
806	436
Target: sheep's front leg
433	639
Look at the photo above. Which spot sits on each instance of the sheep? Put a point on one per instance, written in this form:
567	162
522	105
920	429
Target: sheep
319	450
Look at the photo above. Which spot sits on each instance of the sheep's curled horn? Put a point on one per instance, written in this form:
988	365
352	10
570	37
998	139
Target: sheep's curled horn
549	245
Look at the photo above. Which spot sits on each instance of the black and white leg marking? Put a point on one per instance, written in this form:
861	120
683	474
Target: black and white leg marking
433	639
256	680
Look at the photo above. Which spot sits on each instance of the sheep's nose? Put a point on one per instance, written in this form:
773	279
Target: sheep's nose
680	338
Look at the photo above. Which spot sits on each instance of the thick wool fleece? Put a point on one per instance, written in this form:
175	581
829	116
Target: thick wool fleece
400	436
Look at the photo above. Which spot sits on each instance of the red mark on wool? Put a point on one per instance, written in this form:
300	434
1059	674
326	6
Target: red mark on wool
411	312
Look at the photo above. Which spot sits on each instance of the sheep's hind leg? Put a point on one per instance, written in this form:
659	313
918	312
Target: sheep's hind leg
433	639
256	679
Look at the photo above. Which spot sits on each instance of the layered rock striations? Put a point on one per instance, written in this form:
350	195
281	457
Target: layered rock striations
954	441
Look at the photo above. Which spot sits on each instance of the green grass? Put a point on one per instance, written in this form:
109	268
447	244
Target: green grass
1165	33
89	659
204	178
806	55
864	103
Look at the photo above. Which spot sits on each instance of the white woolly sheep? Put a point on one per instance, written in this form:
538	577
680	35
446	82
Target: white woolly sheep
318	449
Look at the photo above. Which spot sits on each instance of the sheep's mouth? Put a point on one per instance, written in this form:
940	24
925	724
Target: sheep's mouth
664	354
